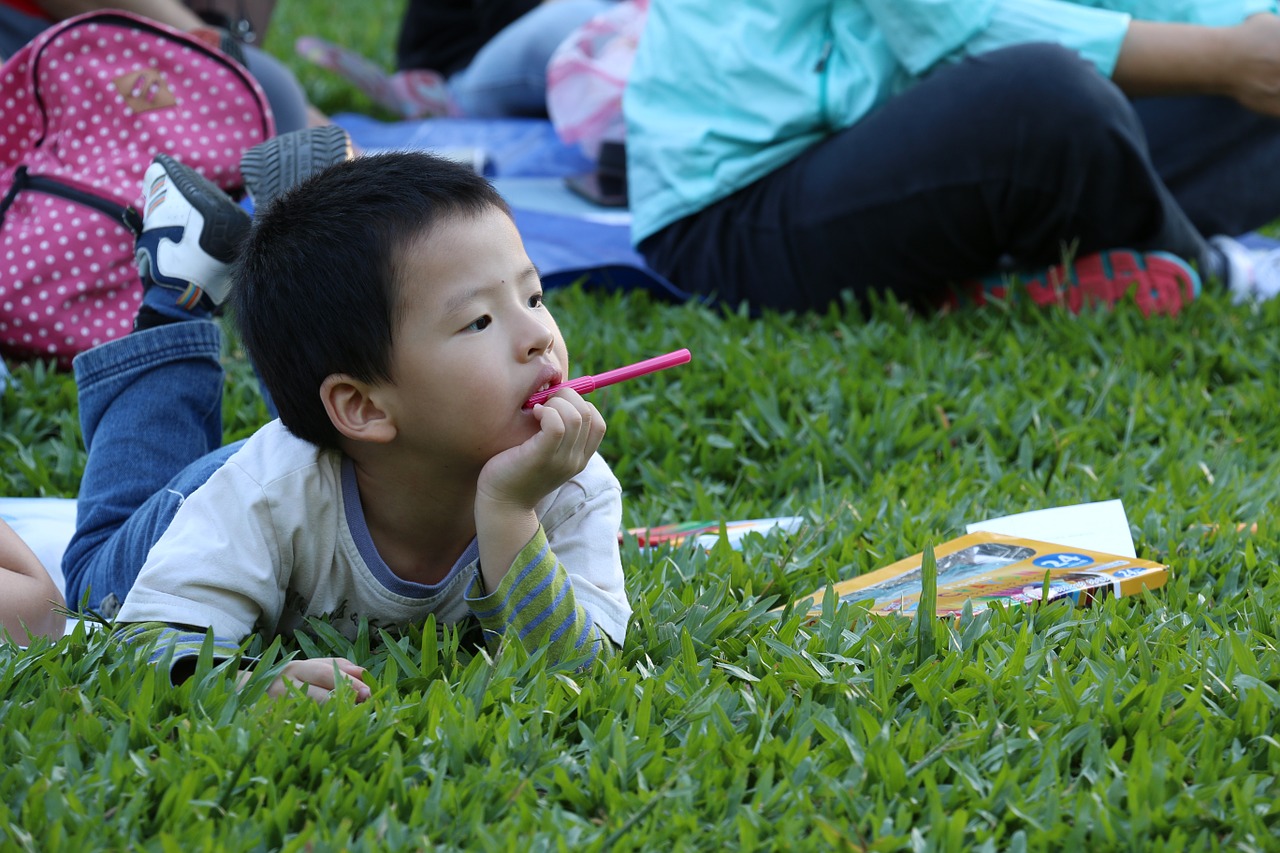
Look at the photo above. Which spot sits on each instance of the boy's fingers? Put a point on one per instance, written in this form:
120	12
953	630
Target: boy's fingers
340	664
349	668
318	672
596	431
318	694
361	689
550	421
582	424
574	411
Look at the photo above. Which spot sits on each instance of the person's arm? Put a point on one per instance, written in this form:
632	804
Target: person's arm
29	600
222	566
567	590
537	602
1241	61
1143	57
521	586
171	12
513	482
317	677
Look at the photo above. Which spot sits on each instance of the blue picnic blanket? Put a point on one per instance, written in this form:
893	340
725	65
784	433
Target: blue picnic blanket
568	238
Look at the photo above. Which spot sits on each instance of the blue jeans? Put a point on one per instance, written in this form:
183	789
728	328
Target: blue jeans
151	414
508	76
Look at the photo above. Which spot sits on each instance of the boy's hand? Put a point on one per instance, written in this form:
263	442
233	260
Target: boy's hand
319	676
512	483
570	431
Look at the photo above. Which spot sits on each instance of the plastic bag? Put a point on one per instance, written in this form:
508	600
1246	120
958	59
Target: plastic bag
588	72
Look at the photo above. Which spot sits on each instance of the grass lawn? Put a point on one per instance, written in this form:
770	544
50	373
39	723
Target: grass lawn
1142	723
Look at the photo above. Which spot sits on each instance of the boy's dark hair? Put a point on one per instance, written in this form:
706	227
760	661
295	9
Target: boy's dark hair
315	288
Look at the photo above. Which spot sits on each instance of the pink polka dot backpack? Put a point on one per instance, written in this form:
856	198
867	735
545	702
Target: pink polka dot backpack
83	109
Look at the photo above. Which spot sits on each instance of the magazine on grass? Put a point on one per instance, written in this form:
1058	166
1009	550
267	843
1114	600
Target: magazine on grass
986	567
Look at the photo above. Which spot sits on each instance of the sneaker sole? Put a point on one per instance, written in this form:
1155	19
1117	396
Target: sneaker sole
225	223
1161	283
284	161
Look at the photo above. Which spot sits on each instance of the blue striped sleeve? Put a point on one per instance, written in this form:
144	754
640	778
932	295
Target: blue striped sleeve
535	601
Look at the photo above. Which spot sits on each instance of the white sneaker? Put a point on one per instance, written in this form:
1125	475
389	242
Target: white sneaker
191	232
1253	275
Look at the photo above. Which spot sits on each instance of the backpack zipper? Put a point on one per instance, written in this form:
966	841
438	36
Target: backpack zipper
126	215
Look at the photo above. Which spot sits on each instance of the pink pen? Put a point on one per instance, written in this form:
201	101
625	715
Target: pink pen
587	384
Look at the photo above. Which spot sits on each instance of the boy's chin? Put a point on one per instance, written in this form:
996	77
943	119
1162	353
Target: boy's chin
520	434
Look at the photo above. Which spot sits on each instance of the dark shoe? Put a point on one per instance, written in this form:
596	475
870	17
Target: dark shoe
269	168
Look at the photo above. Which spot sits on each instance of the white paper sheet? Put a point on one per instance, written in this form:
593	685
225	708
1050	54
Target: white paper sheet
1101	526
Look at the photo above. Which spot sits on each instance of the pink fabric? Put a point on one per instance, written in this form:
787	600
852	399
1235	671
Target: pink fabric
588	72
88	103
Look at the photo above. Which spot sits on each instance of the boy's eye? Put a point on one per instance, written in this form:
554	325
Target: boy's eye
479	324
535	301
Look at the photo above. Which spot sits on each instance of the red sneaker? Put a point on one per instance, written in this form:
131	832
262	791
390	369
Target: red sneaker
1161	283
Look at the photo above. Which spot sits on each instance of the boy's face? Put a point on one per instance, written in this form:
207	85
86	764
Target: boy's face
473	341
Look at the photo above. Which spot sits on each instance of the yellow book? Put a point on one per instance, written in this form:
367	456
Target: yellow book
987	567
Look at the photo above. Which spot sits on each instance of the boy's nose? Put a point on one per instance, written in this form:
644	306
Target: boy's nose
540	340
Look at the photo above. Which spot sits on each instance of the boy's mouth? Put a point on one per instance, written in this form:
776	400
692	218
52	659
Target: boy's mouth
549	377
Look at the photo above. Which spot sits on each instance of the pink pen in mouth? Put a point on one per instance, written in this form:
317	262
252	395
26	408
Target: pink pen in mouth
548	377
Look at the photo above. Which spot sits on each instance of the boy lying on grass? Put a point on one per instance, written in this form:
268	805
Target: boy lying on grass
398	325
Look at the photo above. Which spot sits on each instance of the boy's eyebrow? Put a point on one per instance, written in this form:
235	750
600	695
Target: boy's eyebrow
459	301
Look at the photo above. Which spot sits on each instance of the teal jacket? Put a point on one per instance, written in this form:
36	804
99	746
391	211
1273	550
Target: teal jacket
723	92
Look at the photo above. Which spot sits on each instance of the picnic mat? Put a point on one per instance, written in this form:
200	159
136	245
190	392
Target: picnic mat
568	238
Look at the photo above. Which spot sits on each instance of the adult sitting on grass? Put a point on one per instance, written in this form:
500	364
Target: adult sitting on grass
30	604
398	323
786	153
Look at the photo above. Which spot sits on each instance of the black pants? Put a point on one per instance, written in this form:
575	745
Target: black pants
1003	159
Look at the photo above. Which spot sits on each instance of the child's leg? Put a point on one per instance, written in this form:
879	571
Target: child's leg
150	406
151	403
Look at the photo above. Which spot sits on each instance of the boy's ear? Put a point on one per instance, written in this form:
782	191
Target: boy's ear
353	408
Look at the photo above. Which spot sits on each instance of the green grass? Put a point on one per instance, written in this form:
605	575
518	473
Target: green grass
1143	723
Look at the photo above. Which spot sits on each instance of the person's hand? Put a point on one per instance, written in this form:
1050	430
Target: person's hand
569	431
320	677
1253	76
512	482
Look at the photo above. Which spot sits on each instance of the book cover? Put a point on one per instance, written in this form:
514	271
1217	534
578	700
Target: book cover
986	567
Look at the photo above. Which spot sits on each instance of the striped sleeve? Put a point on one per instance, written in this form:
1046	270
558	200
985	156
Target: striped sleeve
185	643
535	601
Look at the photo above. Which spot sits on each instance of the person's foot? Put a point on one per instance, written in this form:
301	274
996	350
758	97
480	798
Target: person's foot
413	93
422	93
1161	283
191	231
1251	275
269	168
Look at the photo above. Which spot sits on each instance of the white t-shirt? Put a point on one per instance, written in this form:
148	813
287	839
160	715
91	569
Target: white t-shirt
278	534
